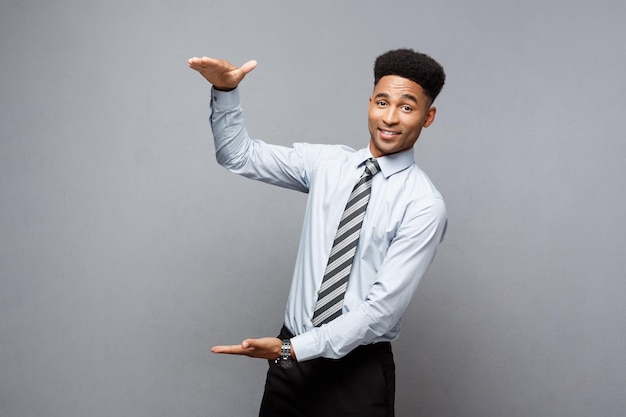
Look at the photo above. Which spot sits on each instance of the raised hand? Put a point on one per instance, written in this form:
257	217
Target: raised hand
222	74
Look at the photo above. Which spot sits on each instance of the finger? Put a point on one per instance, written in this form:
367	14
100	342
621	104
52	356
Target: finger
195	62
204	62
231	350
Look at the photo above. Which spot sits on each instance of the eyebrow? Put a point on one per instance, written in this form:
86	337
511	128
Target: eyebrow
406	96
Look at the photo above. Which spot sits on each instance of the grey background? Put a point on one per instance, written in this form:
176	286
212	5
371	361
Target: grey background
126	252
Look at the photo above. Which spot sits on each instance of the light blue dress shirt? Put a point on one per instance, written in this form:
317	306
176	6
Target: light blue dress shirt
402	229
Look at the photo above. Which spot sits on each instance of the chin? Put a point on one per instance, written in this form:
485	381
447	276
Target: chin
385	150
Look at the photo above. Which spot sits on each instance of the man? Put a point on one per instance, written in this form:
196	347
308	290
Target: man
357	268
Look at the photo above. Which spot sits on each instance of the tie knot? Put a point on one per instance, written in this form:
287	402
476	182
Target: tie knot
371	167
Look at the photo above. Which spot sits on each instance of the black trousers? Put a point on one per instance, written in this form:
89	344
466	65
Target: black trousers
361	384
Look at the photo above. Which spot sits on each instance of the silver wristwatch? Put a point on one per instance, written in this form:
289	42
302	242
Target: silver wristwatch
284	360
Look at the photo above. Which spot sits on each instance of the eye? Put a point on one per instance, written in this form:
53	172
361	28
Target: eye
381	103
407	108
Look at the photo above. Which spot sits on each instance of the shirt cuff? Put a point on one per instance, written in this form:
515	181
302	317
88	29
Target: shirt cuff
305	346
224	100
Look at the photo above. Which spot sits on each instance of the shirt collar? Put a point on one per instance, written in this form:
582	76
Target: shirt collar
390	164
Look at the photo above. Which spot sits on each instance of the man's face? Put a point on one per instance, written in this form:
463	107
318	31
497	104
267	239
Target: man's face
397	112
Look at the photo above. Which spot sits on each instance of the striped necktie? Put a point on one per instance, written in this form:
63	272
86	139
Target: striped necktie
335	281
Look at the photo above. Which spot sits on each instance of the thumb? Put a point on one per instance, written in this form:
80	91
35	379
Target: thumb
248	66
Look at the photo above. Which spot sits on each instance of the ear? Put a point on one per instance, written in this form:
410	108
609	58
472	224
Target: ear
430	116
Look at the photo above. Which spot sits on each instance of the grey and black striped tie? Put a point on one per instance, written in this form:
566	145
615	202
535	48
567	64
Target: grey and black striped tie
335	281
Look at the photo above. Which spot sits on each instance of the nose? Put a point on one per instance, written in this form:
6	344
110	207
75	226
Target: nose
390	117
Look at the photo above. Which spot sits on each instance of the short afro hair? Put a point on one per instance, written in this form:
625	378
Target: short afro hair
415	66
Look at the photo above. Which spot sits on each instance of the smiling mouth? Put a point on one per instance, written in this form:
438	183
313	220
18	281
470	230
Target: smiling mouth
387	134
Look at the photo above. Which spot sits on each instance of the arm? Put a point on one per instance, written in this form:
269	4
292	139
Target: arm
408	257
255	159
235	151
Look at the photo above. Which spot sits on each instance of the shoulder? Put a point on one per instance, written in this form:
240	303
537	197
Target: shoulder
420	183
423	195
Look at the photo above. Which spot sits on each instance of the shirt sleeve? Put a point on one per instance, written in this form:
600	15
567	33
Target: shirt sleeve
254	159
410	254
